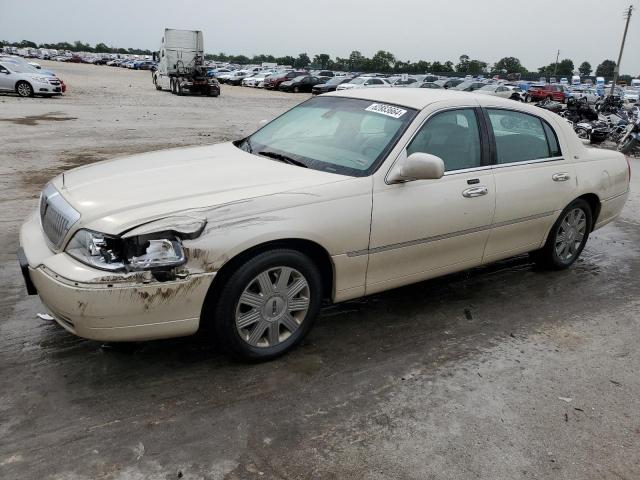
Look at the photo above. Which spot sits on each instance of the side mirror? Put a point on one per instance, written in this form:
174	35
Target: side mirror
417	166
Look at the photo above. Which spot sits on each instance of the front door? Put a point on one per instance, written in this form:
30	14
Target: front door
426	228
7	80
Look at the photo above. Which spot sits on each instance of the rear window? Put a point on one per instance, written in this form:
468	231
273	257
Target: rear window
521	137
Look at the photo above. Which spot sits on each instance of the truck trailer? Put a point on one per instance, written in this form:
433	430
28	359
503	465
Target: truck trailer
181	66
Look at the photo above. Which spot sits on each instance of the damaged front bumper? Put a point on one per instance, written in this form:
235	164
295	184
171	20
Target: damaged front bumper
110	306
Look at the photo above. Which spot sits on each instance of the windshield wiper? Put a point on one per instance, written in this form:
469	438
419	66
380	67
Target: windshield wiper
282	158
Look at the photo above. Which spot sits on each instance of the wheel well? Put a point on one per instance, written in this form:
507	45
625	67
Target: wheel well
314	251
594	202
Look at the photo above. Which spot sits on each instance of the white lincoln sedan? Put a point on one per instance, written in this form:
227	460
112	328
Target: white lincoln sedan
345	195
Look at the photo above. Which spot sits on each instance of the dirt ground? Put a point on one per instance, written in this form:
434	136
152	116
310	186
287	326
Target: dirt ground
501	373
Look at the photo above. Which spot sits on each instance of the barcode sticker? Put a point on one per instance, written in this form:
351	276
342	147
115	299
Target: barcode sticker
388	110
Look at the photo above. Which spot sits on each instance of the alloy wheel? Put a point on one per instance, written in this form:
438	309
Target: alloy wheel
272	307
570	234
24	90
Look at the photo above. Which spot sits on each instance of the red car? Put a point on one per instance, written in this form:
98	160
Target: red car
557	93
273	82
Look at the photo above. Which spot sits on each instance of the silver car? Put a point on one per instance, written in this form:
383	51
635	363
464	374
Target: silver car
26	81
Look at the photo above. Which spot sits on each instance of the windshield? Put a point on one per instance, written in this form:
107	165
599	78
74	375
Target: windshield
339	135
358	81
336	80
19	67
462	86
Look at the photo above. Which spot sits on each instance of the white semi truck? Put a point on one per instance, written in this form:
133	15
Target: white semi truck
181	66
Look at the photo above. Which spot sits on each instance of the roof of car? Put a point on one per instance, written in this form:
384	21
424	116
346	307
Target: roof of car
417	98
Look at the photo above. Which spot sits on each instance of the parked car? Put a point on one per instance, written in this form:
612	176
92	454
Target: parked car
631	95
432	85
255	80
449	82
557	93
469	86
519	92
144	65
497	90
273	81
589	94
303	83
399	186
400	82
330	85
236	78
27	81
364	82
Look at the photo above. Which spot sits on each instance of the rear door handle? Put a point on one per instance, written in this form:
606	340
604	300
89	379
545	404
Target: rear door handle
560	177
475	192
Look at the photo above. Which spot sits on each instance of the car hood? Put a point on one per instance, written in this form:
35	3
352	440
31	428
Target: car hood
116	195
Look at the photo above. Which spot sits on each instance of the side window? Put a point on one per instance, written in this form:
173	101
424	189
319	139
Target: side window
521	137
552	140
453	136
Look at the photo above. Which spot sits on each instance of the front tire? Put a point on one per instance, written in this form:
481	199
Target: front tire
24	89
267	306
567	237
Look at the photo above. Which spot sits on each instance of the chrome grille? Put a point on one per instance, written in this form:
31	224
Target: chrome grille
56	215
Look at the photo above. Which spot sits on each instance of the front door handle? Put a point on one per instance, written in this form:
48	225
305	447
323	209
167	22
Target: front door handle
560	177
475	192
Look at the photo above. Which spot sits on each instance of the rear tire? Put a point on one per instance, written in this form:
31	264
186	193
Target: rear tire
172	86
24	89
266	306
567	237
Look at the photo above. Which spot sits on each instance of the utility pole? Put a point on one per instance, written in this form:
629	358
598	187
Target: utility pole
555	68
616	70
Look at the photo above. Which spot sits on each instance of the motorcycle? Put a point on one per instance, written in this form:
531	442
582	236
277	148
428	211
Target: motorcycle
585	121
550	105
630	141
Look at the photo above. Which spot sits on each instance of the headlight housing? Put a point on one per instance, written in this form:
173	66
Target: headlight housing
157	251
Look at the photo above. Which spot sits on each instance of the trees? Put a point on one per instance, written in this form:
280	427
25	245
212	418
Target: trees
302	61
606	68
508	65
471	67
564	68
585	69
321	60
356	61
383	61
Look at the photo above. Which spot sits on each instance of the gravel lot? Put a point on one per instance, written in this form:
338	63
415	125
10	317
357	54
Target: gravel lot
503	372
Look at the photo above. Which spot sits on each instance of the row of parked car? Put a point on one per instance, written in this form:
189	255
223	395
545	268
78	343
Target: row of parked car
318	82
132	64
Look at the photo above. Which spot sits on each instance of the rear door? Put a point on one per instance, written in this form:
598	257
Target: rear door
534	181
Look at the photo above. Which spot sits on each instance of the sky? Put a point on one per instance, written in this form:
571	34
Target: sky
410	29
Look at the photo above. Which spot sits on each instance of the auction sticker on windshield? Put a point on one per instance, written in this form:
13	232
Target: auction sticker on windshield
388	110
